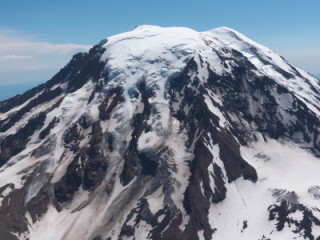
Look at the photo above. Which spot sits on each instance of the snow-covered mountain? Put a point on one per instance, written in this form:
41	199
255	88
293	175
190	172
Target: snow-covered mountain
164	133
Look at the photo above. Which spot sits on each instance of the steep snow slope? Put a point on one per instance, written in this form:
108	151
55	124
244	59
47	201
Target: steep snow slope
164	133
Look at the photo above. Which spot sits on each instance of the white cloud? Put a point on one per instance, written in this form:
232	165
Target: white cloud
12	42
28	58
21	52
14	57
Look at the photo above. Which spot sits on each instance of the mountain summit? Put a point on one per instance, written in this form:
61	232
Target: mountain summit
164	133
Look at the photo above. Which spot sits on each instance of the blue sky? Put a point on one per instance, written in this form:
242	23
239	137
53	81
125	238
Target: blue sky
37	38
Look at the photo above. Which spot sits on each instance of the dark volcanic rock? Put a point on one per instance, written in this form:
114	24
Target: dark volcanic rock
15	143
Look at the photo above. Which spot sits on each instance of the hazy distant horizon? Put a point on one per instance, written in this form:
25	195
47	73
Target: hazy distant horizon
317	75
10	90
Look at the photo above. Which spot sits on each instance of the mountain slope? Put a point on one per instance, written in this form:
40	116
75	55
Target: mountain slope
164	133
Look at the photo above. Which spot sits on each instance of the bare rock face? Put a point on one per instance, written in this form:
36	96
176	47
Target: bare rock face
164	133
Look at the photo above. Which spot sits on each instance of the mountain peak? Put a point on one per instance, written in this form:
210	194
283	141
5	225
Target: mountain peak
164	133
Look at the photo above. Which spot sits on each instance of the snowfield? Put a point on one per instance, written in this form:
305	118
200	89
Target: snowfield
165	133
